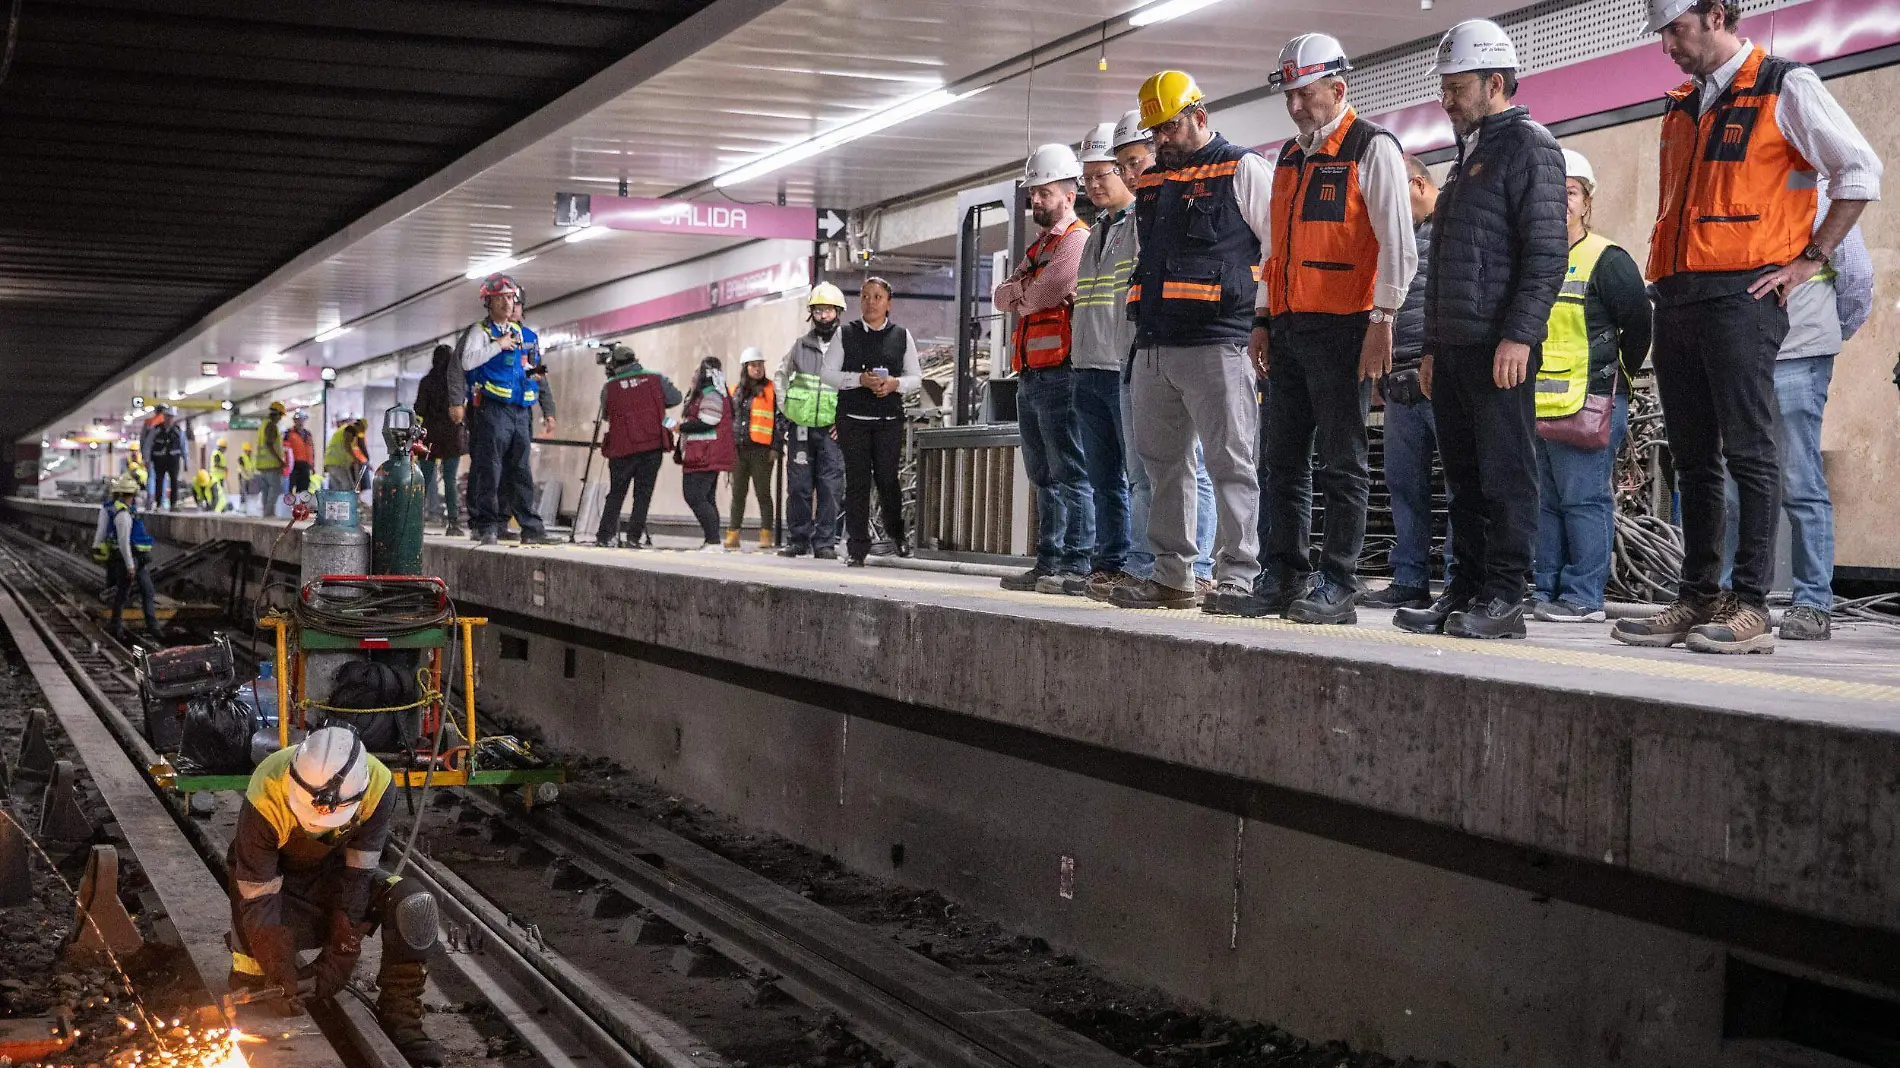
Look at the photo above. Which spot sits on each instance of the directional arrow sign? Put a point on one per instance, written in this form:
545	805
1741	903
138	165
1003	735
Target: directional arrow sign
830	224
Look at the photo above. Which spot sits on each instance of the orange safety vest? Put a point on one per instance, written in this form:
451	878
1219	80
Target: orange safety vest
1043	337
1736	195
1327	254
762	423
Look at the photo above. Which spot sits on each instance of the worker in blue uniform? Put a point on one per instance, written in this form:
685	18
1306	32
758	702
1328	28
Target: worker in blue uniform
502	378
121	542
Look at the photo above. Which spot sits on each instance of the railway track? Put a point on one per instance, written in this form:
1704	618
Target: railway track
779	945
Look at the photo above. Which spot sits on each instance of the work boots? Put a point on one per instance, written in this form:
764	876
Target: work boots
1668	627
732	541
765	539
399	1011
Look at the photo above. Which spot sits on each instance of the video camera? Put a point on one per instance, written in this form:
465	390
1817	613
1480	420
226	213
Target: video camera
615	356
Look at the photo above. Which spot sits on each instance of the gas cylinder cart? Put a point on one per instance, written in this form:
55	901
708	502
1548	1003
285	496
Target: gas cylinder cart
361	614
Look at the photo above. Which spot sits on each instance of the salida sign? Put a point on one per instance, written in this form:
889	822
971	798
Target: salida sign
686	217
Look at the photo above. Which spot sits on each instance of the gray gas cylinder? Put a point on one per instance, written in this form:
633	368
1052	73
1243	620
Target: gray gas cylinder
334	545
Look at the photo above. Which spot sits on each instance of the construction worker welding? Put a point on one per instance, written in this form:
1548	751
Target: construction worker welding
1202	216
1337	271
814	467
1744	143
121	542
502	377
304	875
1041	294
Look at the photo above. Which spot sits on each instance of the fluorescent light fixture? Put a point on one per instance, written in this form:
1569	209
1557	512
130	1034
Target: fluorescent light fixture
200	386
270	357
177	394
500	263
333	333
1169	9
587	233
850	131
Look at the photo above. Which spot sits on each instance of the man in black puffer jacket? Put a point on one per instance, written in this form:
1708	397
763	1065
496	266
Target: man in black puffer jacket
1500	253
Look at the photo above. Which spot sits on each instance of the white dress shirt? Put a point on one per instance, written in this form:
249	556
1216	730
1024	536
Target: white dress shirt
1385	186
1814	123
909	379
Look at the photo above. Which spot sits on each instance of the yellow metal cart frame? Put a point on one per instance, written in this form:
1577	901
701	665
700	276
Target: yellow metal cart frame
293	644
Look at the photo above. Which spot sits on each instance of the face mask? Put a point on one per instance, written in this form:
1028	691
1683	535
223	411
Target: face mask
825	330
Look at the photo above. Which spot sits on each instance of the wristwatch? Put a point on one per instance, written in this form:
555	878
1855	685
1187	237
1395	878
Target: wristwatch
1380	315
1813	252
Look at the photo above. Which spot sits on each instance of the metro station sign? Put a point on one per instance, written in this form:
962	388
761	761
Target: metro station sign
712	219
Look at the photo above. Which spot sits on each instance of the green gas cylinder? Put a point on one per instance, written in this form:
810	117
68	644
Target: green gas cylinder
396	503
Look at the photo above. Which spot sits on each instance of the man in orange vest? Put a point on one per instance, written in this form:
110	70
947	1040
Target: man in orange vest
1041	294
1743	144
1335	275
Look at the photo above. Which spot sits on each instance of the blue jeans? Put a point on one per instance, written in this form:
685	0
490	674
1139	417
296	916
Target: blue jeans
814	467
1801	396
1098	415
500	481
1141	558
1411	438
444	489
1576	516
1045	412
270	490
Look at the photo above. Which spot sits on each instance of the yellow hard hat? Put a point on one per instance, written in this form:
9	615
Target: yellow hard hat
125	483
246	446
1165	95
221	443
826	293
277	407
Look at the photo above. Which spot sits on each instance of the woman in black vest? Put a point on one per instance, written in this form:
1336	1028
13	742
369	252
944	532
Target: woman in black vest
872	363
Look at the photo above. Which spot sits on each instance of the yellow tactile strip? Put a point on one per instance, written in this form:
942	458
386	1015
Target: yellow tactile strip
1691	668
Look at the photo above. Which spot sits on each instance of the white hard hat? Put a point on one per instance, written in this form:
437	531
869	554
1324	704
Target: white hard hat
1099	145
1478	44
1577	166
1129	131
1051	163
1664	12
1306	59
329	774
751	354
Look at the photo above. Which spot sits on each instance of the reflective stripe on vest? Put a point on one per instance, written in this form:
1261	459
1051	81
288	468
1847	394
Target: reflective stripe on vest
1196	272
809	401
1563	378
1328	254
1736	195
505	375
762	419
1043	338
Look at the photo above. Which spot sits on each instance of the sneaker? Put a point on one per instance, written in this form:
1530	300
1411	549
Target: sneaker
856	561
1101	590
794	551
1057	582
1025	582
1496	618
904	551
1806	623
1432	618
539	537
1397	596
712	547
1737	627
477	534
454	531
1078	585
1325	602
488	537
825	552
1147	593
1666	628
1563	611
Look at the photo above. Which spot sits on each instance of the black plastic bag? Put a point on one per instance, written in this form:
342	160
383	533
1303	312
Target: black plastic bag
217	734
367	685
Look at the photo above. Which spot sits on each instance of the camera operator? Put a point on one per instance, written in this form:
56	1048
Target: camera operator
634	402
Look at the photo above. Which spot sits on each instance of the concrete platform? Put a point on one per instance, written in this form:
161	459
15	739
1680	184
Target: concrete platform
1751	802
